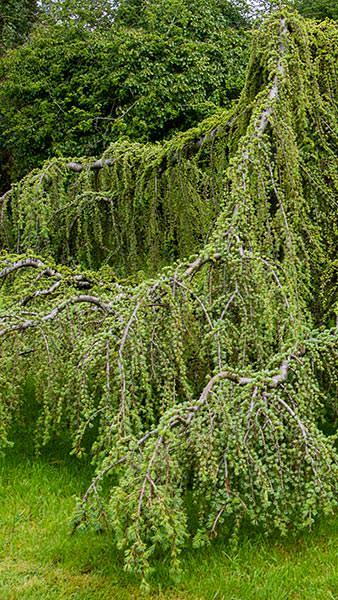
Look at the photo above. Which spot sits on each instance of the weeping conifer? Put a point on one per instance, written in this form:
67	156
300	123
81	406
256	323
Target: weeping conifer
204	379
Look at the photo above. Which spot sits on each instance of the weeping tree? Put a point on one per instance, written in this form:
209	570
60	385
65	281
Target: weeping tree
194	352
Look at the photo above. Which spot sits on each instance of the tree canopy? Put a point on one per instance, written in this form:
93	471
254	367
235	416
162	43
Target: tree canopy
313	9
197	19
16	20
71	90
173	308
318	9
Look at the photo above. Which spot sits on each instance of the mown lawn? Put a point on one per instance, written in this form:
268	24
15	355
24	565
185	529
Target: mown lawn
39	560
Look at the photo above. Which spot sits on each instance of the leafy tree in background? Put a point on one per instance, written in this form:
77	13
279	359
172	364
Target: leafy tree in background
198	19
313	9
318	9
89	14
71	90
16	20
195	17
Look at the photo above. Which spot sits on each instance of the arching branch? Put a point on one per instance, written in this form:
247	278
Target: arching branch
106	308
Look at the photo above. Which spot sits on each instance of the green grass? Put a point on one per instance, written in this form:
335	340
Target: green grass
39	560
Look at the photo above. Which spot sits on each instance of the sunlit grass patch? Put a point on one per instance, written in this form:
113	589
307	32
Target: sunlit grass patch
40	560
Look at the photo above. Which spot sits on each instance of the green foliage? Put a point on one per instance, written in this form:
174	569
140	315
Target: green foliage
196	19
70	91
318	9
85	14
313	9
16	20
101	217
208	382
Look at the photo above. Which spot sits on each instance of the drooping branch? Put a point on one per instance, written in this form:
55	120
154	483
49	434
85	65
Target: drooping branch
269	382
34	263
28	324
264	118
199	262
78	280
94	166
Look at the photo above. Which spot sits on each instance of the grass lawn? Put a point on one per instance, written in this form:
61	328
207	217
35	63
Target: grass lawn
39	560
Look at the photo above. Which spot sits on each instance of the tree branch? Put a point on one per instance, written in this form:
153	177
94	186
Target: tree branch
34	263
56	311
271	382
95	166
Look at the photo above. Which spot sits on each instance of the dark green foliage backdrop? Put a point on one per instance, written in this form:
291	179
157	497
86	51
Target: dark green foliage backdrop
71	90
16	20
318	9
197	19
313	9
